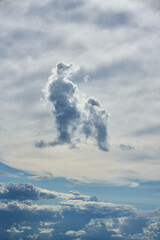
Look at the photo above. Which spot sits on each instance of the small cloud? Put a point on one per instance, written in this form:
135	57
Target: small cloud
134	184
45	230
14	230
76	233
40	144
124	147
45	175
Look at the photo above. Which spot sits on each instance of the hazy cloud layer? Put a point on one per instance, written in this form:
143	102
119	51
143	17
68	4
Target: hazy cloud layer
76	116
149	131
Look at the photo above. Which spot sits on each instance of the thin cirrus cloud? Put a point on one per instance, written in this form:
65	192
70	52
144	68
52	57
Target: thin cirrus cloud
77	117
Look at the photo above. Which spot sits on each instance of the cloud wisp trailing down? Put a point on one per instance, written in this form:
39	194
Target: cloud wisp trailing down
77	118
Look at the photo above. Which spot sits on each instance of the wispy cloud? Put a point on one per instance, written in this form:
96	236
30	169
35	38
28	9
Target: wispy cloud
150	131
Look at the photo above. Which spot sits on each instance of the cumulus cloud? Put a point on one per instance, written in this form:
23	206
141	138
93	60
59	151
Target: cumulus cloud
77	118
24	191
14	230
93	231
100	209
77	216
69	222
79	196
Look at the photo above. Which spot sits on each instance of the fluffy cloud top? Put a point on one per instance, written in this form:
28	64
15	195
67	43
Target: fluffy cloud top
25	191
77	118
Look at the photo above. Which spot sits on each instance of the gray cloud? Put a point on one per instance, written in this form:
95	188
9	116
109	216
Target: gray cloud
123	67
154	4
40	144
70	11
76	116
79	196
77	12
113	19
69	5
124	147
24	191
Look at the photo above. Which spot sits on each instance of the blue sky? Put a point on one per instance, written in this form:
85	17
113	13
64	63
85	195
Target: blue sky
79	119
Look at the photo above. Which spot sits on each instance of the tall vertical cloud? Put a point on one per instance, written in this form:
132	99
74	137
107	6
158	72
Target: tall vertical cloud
77	118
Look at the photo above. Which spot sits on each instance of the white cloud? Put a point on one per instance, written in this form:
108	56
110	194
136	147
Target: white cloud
14	230
46	230
75	233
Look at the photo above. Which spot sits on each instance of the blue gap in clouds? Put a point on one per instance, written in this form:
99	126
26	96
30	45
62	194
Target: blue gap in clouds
9	174
145	196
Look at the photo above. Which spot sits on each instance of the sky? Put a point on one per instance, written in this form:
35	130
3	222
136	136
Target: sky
79	119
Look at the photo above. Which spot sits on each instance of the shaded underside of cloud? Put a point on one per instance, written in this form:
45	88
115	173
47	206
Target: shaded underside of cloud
24	191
